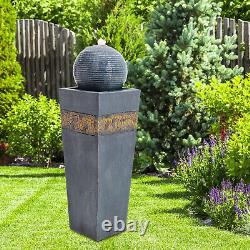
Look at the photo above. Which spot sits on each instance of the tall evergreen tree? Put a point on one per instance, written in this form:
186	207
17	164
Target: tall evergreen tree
180	52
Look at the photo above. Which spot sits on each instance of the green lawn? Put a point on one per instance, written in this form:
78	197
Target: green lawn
33	215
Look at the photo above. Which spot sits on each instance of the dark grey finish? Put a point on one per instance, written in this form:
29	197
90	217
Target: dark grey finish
98	168
99	103
100	68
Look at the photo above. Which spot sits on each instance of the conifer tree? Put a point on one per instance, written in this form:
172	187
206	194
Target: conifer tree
180	52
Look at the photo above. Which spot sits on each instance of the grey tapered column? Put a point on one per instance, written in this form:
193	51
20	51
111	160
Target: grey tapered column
99	134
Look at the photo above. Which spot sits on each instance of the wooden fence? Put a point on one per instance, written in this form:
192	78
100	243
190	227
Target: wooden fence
45	52
228	26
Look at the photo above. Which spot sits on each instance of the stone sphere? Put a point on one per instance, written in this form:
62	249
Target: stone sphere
100	68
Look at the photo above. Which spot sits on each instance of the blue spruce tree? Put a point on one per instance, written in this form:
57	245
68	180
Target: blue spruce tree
180	52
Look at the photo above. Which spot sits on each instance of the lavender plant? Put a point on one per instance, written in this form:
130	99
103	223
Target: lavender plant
202	168
229	206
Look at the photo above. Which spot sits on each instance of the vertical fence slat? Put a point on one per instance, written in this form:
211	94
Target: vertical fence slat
52	60
57	59
62	55
232	32
21	57
71	57
32	57
247	45
67	70
226	27
240	42
47	59
42	56
37	58
219	31
18	43
28	54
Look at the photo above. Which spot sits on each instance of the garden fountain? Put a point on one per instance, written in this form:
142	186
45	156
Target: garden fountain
99	119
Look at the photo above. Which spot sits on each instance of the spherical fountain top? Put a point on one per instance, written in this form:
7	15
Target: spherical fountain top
100	68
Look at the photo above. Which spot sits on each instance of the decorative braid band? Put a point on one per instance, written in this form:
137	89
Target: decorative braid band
92	125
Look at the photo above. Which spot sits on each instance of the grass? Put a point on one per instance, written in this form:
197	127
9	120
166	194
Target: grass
33	215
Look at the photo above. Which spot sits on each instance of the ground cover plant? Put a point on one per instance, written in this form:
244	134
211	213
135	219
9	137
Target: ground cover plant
34	214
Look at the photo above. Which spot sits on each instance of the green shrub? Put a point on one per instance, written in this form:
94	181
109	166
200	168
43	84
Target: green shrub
11	80
228	206
201	169
238	9
238	156
33	129
180	52
229	104
226	102
123	31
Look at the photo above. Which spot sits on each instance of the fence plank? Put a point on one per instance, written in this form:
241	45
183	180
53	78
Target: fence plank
240	34
57	59
247	45
47	57
27	58
226	27
232	32
42	55
21	57
67	69
71	61
219	30
62	55
37	57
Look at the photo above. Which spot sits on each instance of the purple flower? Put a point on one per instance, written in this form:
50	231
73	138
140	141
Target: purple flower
236	198
215	195
240	187
247	189
238	211
193	152
226	185
175	163
189	161
212	142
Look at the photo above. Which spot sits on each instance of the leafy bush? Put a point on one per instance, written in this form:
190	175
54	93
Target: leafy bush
238	9
11	80
229	104
229	206
123	30
180	52
201	169
33	129
226	102
238	156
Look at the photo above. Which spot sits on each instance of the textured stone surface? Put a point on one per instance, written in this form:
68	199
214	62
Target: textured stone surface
98	167
91	125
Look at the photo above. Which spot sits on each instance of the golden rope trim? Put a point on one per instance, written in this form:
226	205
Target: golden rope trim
92	125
